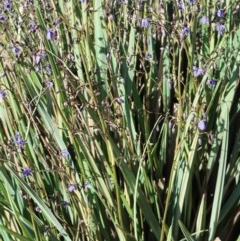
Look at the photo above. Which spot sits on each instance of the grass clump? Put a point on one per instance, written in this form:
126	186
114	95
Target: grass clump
119	120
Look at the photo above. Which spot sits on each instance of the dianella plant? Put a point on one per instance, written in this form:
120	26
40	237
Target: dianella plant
119	120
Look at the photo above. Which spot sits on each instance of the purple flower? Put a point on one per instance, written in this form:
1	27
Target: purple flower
198	71
148	55
70	57
72	187
191	2
221	29
145	23
3	18
88	185
32	27
185	31
27	172
48	68
119	100
204	20
2	94
64	153
50	34
56	22
49	85
212	82
220	13
19	141
16	51
37	58
202	125
181	6
8	5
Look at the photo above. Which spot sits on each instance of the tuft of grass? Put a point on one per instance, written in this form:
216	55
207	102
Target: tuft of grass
119	120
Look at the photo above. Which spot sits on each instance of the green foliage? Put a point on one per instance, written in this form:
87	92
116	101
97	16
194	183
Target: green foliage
119	120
